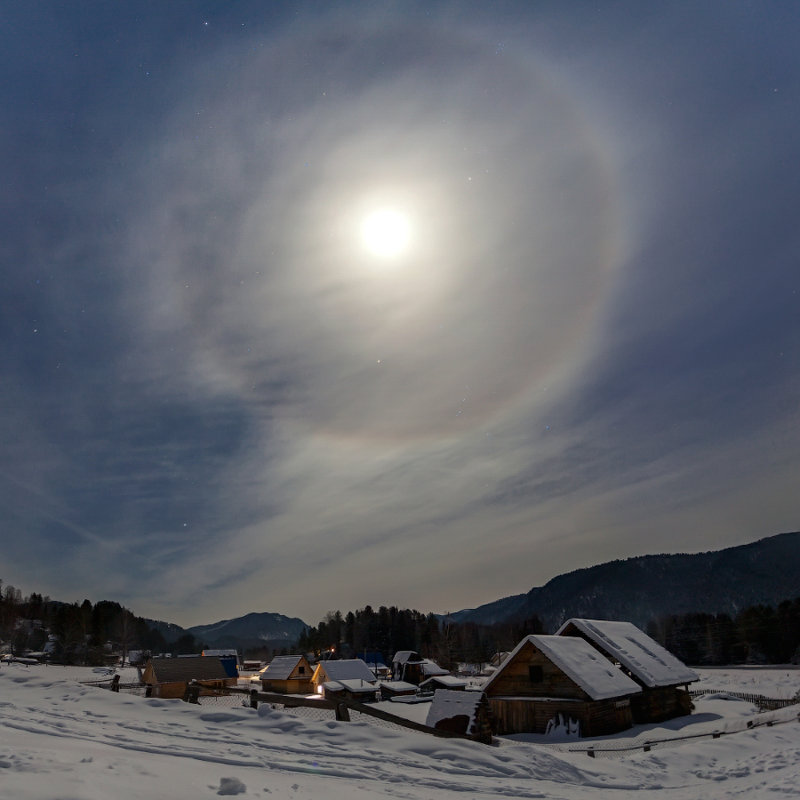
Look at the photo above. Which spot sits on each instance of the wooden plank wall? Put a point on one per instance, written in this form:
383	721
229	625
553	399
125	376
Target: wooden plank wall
597	718
515	680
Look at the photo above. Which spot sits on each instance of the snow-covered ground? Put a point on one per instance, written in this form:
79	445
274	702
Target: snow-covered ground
60	740
778	682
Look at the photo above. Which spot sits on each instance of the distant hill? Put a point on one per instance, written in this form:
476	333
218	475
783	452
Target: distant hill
648	587
253	630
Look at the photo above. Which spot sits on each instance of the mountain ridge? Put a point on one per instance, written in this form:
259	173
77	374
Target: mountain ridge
725	581
254	629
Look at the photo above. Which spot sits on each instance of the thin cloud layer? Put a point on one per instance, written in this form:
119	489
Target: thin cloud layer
217	399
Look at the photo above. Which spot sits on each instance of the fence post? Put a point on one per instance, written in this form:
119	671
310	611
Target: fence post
115	683
342	714
192	693
254	698
590	752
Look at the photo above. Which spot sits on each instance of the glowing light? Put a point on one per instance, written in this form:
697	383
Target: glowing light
386	233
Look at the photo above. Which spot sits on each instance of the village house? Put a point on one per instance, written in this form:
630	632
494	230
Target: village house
169	677
229	658
409	666
347	669
663	678
287	675
546	678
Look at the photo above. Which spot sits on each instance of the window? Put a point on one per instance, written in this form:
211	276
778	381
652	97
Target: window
535	673
301	670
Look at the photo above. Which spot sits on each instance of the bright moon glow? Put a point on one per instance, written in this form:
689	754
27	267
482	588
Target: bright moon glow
385	233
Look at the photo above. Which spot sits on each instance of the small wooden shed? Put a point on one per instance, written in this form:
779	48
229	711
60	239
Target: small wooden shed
354	689
346	669
547	678
407	667
287	675
663	678
449	682
390	689
169	677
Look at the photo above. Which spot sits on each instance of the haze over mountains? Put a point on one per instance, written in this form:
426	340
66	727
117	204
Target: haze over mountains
638	589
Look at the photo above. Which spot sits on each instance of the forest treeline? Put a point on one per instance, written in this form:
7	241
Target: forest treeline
757	635
78	633
86	633
388	630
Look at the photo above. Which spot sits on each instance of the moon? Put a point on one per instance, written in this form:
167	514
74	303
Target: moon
386	233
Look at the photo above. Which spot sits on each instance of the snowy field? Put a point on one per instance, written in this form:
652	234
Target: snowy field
60	740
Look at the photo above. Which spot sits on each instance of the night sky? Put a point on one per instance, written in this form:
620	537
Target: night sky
309	306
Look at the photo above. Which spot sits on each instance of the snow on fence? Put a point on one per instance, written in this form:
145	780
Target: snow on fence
610	749
320	709
763	703
341	708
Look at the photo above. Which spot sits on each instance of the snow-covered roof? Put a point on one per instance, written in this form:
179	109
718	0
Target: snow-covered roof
577	659
406	656
399	686
280	668
431	668
448	703
445	680
347	669
175	670
357	685
645	658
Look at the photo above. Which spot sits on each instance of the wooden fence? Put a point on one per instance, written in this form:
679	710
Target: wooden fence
340	707
763	703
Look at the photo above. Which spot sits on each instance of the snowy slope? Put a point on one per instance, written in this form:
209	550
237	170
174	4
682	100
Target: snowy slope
61	740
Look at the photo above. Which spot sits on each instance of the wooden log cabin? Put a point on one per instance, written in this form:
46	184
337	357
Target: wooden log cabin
663	678
287	675
552	678
347	669
169	677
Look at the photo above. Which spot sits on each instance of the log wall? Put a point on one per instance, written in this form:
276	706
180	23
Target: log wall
524	715
515	678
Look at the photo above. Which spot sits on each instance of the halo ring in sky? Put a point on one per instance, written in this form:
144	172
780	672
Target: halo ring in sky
420	252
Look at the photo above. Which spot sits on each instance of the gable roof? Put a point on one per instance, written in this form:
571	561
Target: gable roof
280	668
431	668
347	669
193	668
580	662
407	657
645	658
